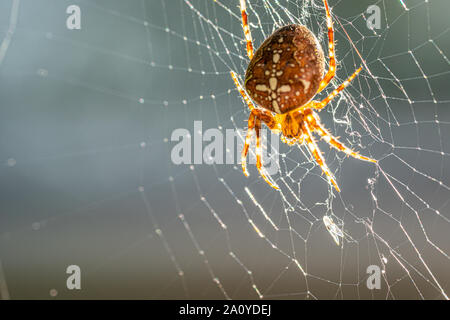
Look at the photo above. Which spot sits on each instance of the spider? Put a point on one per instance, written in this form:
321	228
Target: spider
282	78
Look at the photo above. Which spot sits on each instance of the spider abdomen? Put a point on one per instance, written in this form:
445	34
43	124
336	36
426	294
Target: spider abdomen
286	70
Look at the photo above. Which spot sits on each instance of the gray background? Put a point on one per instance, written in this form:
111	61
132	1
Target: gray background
77	186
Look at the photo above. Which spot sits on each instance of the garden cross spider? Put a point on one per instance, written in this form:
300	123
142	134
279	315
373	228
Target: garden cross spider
283	76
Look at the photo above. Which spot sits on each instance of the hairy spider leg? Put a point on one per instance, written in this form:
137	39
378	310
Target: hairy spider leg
331	53
254	123
316	126
248	137
259	155
324	102
242	91
314	149
255	116
246	27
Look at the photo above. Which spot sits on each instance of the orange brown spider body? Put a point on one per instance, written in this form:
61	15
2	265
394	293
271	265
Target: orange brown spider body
286	70
282	78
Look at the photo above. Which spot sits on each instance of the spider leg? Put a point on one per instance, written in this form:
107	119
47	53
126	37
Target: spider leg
254	123
324	102
312	146
332	70
334	142
254	120
245	26
259	155
264	115
251	127
242	91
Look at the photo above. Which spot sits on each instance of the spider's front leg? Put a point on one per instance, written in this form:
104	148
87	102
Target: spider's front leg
254	123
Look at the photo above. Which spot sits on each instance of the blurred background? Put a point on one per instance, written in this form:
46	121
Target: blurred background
87	179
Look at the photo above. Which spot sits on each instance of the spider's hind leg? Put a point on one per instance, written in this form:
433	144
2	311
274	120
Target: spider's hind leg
331	52
334	93
242	90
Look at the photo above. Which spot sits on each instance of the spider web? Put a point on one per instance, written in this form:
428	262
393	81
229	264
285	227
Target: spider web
387	215
208	231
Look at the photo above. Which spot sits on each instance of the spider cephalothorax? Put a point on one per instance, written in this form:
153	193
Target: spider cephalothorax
283	77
